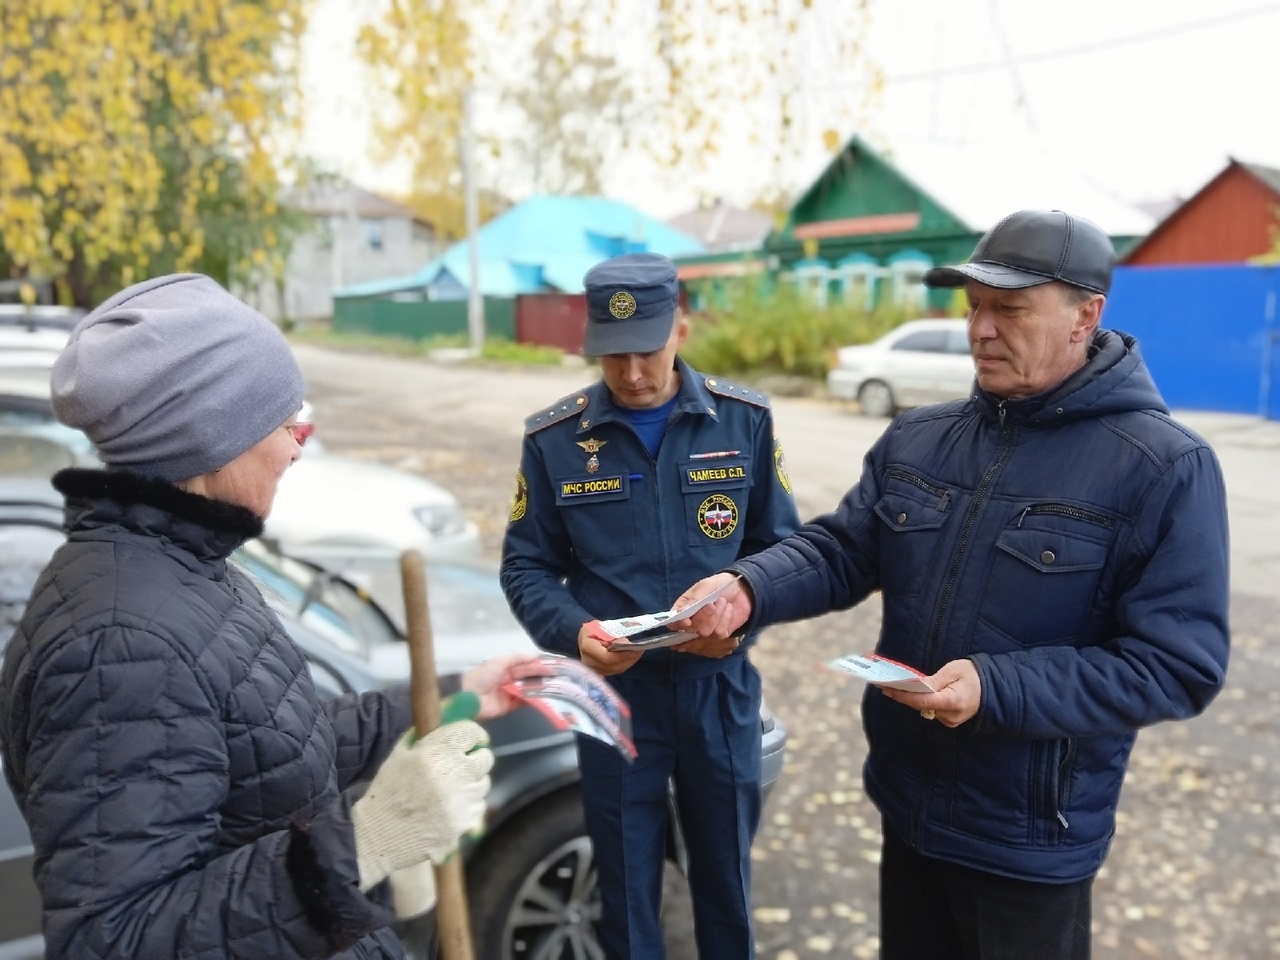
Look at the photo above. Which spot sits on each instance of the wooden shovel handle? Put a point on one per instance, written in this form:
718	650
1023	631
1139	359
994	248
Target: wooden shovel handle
452	919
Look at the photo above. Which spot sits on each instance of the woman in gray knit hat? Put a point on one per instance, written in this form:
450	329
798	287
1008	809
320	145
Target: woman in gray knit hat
185	788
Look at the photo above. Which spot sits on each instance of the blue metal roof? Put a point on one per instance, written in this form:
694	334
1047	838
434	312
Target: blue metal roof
545	243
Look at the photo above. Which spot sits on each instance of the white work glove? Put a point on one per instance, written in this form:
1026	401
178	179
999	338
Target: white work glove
422	800
413	889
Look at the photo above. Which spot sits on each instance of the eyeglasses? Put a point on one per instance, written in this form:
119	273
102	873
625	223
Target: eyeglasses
301	432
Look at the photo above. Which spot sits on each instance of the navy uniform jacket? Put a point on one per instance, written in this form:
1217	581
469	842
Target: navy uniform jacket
600	530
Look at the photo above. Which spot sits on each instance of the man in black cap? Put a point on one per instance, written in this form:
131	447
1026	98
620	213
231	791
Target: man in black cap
1052	555
627	489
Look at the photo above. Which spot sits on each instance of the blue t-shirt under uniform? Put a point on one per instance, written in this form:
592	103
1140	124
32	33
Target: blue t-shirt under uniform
650	423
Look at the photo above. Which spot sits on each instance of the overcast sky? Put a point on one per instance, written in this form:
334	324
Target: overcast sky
1148	97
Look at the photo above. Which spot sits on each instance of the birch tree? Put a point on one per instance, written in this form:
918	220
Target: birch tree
572	86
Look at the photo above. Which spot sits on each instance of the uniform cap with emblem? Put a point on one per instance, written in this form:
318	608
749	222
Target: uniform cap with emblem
631	304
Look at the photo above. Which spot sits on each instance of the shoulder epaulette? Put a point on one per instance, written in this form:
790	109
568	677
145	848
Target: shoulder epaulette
562	409
736	391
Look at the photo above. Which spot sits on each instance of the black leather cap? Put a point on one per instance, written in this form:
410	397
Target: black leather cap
1031	247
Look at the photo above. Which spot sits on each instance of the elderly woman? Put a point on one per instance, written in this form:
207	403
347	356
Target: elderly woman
185	788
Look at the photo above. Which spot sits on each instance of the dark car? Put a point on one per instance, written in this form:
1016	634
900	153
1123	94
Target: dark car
531	876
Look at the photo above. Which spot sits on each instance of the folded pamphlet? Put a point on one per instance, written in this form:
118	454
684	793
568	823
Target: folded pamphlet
882	672
577	698
648	630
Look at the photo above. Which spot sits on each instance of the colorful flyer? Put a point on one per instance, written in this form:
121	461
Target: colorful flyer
578	698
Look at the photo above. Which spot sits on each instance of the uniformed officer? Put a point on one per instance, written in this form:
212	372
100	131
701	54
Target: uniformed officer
628	490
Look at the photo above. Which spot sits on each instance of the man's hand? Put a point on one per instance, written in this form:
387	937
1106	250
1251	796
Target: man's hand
600	658
957	696
721	618
713	647
486	679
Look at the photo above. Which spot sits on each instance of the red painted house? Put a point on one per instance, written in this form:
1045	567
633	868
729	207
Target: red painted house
1231	219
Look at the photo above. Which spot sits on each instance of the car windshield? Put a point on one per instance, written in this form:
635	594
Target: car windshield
33	417
330	607
368	609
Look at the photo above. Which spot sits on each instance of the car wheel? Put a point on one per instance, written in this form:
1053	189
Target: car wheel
876	399
533	889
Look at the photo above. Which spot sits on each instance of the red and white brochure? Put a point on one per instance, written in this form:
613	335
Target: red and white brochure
882	672
578	698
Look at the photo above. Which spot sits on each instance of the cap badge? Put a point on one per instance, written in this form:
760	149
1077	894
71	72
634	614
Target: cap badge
622	305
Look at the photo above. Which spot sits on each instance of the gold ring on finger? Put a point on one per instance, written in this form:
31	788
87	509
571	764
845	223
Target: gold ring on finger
928	714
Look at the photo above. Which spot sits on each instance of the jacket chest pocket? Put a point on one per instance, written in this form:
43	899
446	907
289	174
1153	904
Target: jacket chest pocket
913	515
597	513
1045	574
715	496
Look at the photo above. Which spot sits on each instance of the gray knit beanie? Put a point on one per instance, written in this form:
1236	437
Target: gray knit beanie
174	377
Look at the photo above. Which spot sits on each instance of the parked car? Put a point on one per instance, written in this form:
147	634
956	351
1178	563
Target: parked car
919	362
330	507
36	328
40	317
531	878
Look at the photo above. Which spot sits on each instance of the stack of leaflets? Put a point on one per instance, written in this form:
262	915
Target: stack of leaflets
882	672
648	631
577	698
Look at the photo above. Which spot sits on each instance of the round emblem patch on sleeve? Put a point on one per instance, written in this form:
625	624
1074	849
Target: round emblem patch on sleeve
622	305
780	465
520	502
718	516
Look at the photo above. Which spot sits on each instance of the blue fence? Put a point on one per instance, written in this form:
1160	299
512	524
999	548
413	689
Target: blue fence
1210	334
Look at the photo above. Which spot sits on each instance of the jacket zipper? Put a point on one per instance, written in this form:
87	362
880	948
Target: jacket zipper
953	574
1063	510
1065	766
944	496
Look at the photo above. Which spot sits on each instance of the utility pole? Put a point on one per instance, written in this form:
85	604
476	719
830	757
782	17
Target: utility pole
475	299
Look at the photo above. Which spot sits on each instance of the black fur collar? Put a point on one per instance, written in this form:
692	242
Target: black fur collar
124	487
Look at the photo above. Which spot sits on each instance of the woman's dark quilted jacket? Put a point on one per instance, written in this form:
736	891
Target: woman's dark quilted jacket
161	733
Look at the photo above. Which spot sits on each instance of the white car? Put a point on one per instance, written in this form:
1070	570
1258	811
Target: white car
332	510
919	362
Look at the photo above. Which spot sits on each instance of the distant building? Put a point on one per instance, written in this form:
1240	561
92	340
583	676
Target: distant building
1231	219
723	228
532	259
354	236
871	224
544	244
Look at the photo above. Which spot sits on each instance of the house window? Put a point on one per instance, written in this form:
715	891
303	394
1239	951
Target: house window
373	234
906	270
858	275
812	277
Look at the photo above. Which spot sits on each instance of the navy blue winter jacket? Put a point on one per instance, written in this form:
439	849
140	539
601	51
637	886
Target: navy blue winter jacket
164	741
1074	547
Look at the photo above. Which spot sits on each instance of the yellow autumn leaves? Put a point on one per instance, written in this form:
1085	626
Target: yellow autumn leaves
144	136
119	120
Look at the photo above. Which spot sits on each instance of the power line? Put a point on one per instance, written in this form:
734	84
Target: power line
1023	99
1083	49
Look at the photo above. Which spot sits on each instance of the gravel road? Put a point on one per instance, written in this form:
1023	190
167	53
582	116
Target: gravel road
1195	869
